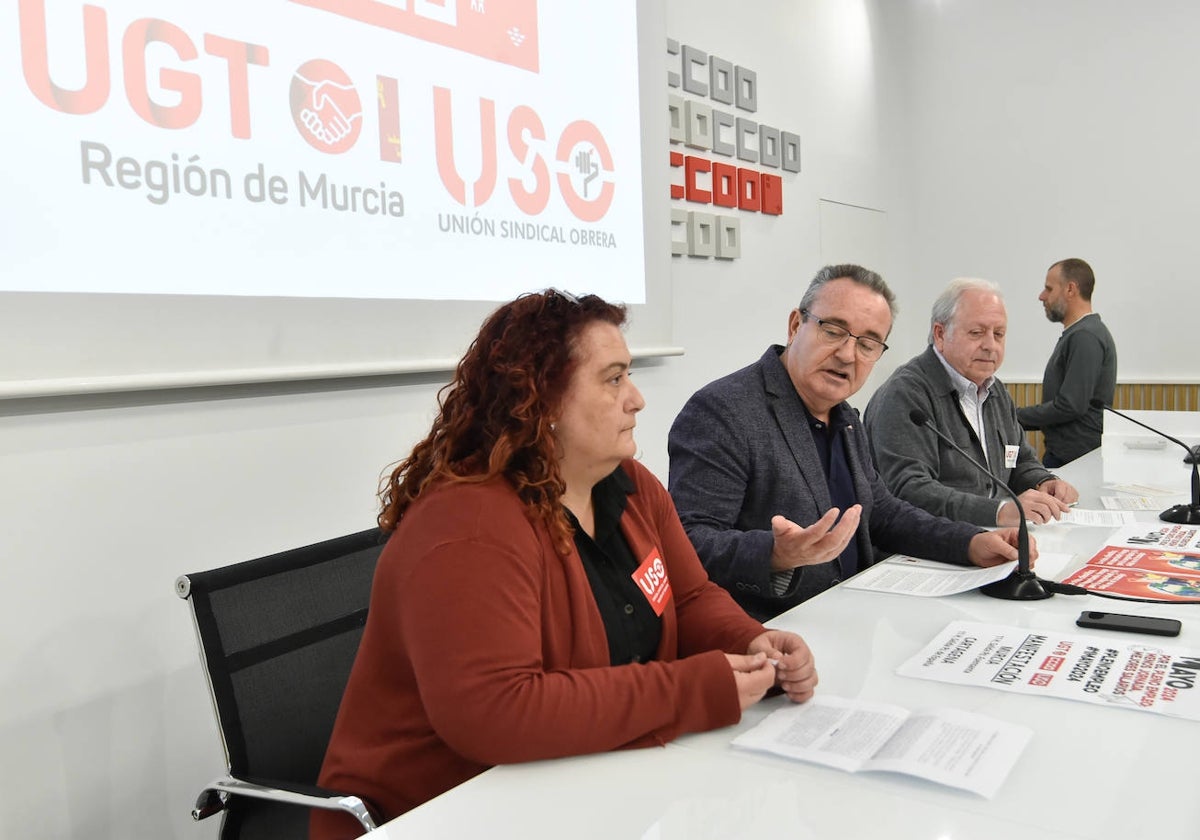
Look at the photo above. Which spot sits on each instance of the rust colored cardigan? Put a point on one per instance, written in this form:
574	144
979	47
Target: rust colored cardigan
484	646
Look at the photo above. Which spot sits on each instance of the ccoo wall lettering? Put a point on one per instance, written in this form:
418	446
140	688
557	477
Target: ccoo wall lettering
716	119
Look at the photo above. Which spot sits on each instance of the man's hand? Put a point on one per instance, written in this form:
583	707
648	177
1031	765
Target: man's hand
991	548
819	543
1039	508
1059	489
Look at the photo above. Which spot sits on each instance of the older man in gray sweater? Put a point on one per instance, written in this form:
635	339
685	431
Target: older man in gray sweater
954	384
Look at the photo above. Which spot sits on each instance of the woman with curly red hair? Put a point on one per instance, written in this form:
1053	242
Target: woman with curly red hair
538	597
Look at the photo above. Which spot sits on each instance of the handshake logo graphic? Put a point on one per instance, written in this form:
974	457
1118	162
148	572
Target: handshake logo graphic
325	107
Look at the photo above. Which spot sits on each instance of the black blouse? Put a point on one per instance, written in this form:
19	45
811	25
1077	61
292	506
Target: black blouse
630	622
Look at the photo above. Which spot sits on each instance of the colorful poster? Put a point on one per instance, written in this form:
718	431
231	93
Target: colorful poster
1131	673
1157	561
1164	535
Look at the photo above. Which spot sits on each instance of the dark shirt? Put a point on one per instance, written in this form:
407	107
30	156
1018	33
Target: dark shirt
1082	368
632	627
832	453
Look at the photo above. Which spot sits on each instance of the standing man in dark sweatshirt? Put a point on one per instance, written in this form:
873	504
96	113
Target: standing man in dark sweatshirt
1082	368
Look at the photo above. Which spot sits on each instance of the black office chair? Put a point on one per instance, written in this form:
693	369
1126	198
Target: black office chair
278	636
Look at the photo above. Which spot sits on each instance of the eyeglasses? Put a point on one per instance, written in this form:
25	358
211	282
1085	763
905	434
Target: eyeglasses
834	335
552	293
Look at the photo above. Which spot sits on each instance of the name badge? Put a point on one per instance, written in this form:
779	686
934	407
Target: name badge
1010	456
651	578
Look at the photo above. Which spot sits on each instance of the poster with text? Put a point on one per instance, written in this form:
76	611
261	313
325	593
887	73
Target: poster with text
1125	673
1160	561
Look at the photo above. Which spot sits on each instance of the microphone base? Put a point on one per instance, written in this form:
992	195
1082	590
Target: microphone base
1019	586
1181	515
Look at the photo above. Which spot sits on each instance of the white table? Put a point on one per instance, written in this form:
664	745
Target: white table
1134	454
1089	772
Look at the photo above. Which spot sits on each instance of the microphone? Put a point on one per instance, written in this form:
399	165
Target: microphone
1022	584
1178	514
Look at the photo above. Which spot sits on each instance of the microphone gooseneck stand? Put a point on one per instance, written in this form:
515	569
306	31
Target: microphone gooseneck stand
1188	514
1022	584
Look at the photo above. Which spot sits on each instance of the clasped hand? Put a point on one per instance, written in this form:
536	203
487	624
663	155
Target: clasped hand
795	671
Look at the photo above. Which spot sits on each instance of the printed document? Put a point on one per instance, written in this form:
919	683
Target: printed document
1099	518
955	748
902	575
1130	503
913	576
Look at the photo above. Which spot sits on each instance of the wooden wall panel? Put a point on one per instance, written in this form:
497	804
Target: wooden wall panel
1130	396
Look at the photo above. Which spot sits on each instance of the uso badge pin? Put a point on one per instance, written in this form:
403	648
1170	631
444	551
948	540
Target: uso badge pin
651	578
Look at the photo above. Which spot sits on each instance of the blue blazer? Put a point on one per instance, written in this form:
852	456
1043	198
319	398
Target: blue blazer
741	452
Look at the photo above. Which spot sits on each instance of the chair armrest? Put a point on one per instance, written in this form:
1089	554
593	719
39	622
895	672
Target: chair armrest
212	798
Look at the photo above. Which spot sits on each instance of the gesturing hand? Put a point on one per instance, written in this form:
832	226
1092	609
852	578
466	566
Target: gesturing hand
820	542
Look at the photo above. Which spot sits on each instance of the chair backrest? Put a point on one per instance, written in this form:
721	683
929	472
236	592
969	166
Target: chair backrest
278	636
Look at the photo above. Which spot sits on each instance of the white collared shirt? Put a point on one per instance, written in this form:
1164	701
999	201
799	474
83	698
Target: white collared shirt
971	399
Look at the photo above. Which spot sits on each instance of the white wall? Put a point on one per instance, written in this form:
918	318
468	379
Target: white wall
939	115
824	73
1063	129
105	719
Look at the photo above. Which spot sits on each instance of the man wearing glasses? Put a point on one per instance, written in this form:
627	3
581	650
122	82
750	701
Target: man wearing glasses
954	384
771	471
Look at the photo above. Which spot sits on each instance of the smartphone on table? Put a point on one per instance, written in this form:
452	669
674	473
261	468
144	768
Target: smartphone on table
1129	623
